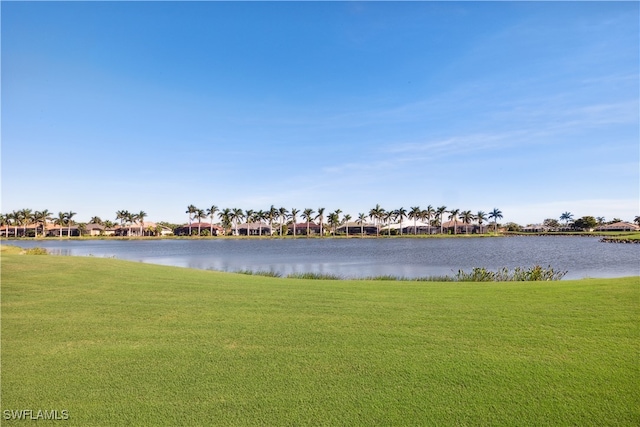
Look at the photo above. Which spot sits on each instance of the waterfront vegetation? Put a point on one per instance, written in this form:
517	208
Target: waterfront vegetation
477	274
281	222
122	343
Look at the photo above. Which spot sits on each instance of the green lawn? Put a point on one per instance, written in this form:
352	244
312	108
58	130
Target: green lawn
118	343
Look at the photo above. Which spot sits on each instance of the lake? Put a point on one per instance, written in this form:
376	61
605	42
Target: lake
351	258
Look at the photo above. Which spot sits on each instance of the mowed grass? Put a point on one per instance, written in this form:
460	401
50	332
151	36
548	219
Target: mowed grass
119	343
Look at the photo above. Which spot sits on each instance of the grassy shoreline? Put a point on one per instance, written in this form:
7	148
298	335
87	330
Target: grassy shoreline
123	343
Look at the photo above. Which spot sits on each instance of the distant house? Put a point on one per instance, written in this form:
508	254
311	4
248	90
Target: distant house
254	229
93	229
301	228
462	228
536	228
354	227
618	226
183	230
66	231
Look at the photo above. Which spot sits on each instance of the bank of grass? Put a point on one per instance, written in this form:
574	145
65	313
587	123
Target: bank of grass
122	343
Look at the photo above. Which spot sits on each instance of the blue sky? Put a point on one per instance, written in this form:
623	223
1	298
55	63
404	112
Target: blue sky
531	108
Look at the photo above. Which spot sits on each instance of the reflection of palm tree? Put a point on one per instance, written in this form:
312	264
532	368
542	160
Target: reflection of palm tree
496	214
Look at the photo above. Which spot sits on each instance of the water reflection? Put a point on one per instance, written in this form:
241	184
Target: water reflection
581	256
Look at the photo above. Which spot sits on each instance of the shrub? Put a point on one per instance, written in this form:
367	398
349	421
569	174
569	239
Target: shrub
265	273
532	274
314	276
36	251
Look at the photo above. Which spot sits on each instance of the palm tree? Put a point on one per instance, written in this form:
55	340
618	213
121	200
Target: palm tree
427	214
388	217
26	217
376	215
346	220
250	218
225	218
400	215
361	218
334	220
60	221
636	220
439	213
294	213
41	218
480	216
466	217
260	216
12	219
122	217
70	222
601	220
190	210
95	220
307	214
454	217
236	216
139	218
320	217
566	217
272	214
211	212
282	213
496	214
199	214
415	213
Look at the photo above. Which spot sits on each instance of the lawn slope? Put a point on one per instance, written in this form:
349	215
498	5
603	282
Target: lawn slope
122	343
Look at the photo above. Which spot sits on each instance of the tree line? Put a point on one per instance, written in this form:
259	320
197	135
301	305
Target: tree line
230	218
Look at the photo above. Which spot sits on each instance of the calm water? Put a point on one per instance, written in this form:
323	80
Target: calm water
580	256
